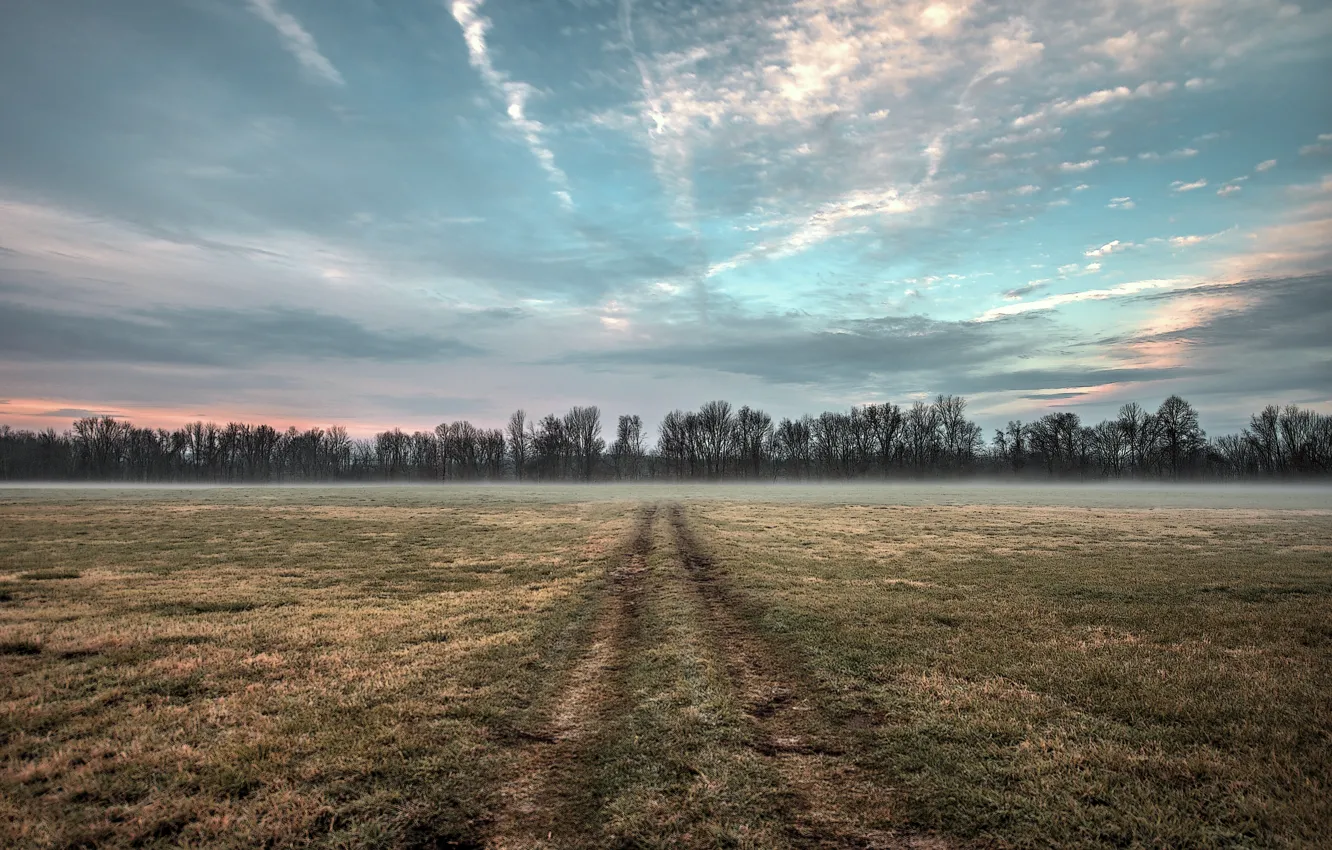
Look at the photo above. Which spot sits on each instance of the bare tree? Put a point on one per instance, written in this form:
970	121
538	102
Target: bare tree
753	436
1181	437
627	450
582	425
716	427
519	442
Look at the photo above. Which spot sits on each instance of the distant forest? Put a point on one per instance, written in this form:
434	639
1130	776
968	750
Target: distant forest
715	442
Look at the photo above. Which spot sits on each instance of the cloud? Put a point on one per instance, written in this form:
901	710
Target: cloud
826	222
1046	379
1228	189
297	41
74	413
210	337
1181	186
438	406
1026	289
1264	337
1095	100
515	94
1265	165
1191	240
1052	301
840	144
911	352
1070	167
1109	248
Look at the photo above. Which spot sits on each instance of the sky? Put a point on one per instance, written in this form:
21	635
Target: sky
376	214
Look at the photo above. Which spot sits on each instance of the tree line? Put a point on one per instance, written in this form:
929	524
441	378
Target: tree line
716	442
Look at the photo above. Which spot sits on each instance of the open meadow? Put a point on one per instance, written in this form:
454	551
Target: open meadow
758	667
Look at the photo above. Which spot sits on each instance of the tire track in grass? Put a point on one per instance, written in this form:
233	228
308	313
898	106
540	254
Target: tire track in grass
832	803
539	808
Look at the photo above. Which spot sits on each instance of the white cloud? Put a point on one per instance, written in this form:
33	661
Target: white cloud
514	94
1028	189
1181	153
1228	189
1129	51
1070	167
826	223
1052	301
297	40
1320	147
1124	203
1011	49
1181	186
1032	135
1191	240
1092	267
1265	165
1094	100
1110	248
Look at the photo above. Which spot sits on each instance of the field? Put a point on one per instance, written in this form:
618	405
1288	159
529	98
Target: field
650	667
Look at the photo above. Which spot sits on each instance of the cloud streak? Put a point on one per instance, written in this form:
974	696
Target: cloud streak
514	93
1050	302
297	41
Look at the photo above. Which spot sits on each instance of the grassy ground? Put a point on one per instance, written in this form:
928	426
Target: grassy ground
240	674
497	667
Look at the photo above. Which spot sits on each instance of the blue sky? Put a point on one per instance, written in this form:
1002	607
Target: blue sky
374	214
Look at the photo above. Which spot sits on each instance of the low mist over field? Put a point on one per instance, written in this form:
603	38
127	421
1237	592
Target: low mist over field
1147	495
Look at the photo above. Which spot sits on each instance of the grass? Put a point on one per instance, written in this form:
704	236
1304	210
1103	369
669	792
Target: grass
379	667
242	674
1057	676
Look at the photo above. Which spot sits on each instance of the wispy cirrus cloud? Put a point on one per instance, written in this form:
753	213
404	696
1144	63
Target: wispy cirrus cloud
514	93
297	41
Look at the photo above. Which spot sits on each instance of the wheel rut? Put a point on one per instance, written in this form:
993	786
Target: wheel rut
536	807
831	802
681	724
